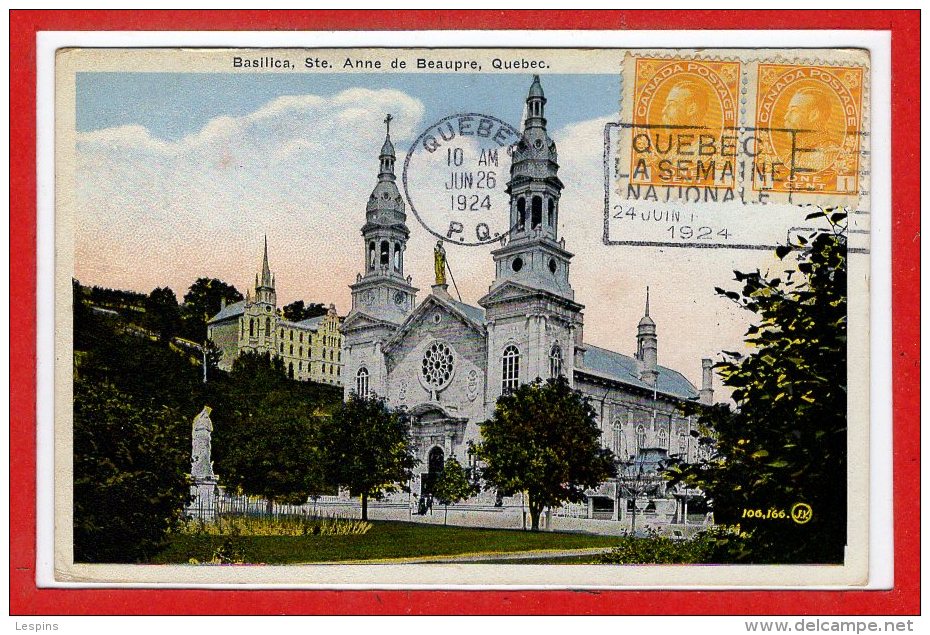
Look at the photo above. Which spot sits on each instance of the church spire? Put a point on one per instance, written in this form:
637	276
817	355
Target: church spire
264	282
647	347
266	270
387	156
535	106
385	205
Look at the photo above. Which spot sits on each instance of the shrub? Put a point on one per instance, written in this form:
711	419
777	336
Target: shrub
242	525
656	549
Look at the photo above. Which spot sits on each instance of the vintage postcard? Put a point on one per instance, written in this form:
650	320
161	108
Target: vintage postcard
473	317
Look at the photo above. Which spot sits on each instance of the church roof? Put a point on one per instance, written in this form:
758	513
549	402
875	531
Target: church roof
229	311
474	313
625	369
310	323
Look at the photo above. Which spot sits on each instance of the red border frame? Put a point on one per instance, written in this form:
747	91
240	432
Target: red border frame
26	598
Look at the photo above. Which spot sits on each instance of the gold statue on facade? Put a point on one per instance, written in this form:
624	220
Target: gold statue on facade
439	262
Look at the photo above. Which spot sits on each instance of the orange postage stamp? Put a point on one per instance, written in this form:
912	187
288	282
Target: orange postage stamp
685	123
808	121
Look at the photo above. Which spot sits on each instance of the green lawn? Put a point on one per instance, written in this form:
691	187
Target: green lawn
386	540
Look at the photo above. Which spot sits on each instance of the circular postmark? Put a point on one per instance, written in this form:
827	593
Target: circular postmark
801	513
455	178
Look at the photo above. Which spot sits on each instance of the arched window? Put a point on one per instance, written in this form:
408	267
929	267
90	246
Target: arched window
683	445
663	439
396	256
618	438
385	253
551	213
251	327
292	335
291	352
555	361
281	347
537	211
300	367
640	437
361	382
300	352
510	367
521	214
371	255
268	326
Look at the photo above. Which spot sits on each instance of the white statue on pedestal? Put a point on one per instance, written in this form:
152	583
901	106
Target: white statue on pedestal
201	465
204	487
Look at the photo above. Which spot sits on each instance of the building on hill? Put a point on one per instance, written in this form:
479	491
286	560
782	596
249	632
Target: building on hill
311	349
447	362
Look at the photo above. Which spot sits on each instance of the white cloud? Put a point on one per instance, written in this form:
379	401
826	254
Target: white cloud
154	212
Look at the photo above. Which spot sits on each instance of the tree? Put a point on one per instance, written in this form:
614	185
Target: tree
783	446
296	311
544	440
636	478
265	433
452	485
162	313
366	447
202	301
269	452
130	474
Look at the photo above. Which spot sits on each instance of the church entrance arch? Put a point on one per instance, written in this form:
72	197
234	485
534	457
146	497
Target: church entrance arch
435	463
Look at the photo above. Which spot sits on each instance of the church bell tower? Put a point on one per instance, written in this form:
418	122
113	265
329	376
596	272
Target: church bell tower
534	255
382	296
382	291
534	323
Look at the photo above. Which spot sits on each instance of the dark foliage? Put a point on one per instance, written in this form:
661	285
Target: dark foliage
785	442
130	481
202	301
297	311
162	314
544	440
365	446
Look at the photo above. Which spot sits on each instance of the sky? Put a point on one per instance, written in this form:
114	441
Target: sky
181	175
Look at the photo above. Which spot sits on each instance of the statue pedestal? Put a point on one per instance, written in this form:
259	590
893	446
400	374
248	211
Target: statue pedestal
203	506
441	290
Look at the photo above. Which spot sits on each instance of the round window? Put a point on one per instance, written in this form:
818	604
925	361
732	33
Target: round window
552	265
517	264
437	366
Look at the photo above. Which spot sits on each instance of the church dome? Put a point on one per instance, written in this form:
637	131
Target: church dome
536	88
388	148
385	197
385	205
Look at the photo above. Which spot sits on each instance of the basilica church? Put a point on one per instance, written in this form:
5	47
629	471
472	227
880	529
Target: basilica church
447	362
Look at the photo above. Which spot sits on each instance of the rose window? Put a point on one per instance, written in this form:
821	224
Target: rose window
437	366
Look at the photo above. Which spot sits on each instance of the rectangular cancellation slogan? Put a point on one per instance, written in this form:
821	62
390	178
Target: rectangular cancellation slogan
340	308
